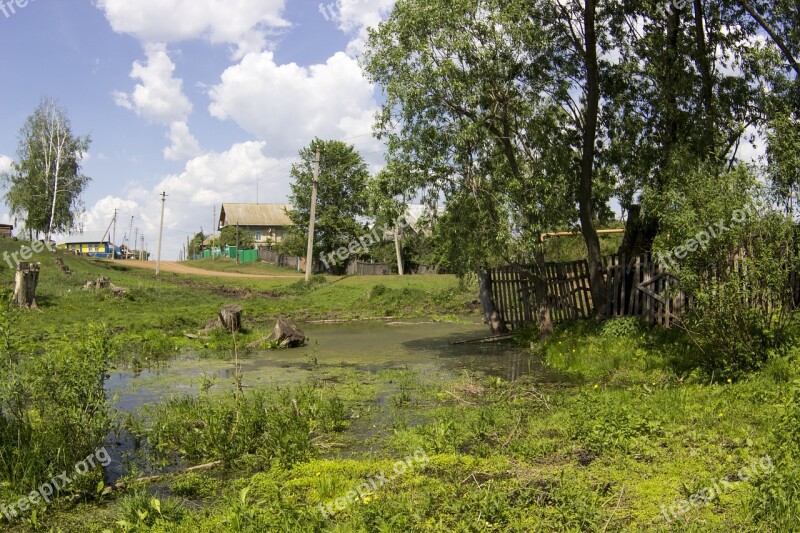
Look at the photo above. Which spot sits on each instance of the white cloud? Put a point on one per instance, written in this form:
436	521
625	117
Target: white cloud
357	16
5	164
206	181
288	105
183	145
159	96
245	24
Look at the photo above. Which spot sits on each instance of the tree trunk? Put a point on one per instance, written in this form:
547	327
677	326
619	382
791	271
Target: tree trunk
596	279
543	316
231	318
640	233
26	280
490	315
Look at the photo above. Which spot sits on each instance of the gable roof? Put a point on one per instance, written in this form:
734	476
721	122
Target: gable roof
255	215
87	237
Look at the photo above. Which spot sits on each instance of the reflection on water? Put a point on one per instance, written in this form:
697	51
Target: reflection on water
425	347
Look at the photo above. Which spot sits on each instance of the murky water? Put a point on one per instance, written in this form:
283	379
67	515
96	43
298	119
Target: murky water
424	347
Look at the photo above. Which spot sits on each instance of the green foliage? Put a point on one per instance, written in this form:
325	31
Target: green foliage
625	327
140	511
55	412
271	426
604	425
45	184
776	502
377	290
317	281
233	236
196	244
740	311
341	197
503	164
195	485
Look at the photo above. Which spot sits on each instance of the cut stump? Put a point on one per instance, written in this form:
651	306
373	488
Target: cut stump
287	334
26	280
230	318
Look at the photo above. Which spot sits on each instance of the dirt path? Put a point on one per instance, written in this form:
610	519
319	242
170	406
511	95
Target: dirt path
181	268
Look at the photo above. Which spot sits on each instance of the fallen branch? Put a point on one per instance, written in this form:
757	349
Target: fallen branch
459	399
147	479
492	338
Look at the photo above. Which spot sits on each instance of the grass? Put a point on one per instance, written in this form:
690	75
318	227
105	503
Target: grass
622	431
150	322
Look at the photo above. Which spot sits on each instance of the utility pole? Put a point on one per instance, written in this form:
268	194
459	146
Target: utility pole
237	243
114	237
397	236
160	232
313	214
136	239
188	250
130	230
214	223
141	250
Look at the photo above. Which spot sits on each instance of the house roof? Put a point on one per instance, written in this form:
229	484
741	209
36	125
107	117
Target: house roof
255	215
6	226
87	237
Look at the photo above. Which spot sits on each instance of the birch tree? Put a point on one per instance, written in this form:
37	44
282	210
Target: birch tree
45	184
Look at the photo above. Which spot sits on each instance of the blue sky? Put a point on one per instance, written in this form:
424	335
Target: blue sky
200	98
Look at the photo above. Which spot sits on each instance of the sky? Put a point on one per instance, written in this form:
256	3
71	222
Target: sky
206	100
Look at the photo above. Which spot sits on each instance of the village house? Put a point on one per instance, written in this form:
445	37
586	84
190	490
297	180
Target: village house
91	243
269	223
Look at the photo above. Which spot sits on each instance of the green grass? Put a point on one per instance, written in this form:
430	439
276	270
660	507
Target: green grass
620	429
149	324
224	264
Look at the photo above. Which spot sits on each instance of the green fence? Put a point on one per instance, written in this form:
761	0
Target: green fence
248	256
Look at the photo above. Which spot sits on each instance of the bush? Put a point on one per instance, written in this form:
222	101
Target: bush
54	412
738	279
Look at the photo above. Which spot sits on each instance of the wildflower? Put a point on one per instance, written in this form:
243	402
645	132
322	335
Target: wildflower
720	415
729	380
596	386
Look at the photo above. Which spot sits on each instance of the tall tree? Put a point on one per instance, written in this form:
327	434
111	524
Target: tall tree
341	198
45	183
480	109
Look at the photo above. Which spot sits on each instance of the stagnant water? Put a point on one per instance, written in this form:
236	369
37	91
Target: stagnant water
425	347
419	346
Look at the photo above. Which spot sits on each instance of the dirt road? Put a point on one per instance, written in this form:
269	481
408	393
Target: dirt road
182	268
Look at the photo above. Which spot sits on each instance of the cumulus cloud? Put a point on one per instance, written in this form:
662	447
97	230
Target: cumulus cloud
5	164
288	105
159	98
206	181
183	145
244	24
357	16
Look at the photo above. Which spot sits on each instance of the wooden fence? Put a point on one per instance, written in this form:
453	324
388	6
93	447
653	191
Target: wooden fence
359	268
636	287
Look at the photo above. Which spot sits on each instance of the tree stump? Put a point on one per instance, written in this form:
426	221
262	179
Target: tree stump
230	318
26	280
287	334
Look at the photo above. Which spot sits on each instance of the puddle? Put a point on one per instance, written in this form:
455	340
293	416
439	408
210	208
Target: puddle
424	347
